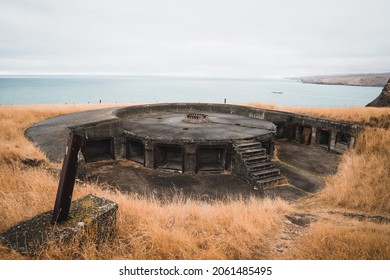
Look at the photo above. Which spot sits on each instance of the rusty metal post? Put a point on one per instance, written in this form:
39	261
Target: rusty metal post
67	179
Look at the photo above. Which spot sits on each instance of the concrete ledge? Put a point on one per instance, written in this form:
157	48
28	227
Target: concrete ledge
89	217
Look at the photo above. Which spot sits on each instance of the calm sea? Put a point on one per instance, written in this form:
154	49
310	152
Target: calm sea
112	89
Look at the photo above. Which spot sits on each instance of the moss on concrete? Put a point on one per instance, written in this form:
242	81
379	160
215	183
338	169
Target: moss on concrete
89	217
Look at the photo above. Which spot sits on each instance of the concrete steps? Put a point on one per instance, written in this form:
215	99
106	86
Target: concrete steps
258	164
266	173
256	158
271	180
252	152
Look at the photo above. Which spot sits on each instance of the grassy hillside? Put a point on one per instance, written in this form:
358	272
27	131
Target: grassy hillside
234	229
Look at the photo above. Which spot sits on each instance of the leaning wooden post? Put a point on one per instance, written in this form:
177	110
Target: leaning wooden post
67	179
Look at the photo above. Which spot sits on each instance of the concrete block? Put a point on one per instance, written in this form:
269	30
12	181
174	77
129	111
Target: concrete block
89	217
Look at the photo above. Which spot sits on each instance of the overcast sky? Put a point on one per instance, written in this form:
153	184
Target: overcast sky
212	38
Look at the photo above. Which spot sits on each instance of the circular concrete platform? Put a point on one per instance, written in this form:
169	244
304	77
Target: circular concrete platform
174	127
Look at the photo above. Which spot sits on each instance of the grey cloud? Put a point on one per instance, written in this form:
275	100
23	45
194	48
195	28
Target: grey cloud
222	38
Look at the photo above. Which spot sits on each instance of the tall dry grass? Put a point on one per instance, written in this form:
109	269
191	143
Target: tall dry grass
362	181
339	239
197	230
376	117
147	228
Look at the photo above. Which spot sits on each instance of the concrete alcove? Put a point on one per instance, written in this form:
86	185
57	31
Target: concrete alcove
211	158
343	139
98	149
168	157
323	137
135	151
303	134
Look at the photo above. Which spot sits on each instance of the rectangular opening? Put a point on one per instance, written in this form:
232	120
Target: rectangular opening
303	134
168	157
343	138
136	151
211	158
323	138
343	141
98	149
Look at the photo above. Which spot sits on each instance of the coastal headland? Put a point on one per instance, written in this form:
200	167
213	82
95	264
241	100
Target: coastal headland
372	79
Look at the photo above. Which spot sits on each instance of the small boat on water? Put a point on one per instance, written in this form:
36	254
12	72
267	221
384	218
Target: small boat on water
277	92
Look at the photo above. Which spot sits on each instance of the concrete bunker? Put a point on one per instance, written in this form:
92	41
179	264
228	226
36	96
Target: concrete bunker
215	138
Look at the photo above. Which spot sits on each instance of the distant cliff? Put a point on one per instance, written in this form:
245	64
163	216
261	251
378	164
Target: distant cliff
383	100
375	80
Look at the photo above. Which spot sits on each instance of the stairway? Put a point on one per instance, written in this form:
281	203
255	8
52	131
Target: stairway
260	169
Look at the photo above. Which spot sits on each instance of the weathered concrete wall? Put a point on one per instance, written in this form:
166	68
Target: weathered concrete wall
111	129
239	168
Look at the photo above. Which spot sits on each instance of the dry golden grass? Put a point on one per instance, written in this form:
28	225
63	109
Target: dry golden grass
196	230
366	116
149	229
338	239
363	178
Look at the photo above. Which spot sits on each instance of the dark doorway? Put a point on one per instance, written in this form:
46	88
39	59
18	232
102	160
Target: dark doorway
98	149
303	134
136	151
343	141
280	130
211	158
343	138
168	157
323	138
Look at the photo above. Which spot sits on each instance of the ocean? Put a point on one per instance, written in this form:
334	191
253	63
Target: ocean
125	89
